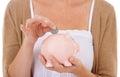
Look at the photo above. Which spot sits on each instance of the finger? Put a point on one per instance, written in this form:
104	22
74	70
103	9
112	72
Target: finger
74	60
61	69
39	30
44	21
54	62
57	66
31	25
50	68
33	21
49	24
23	29
47	29
43	60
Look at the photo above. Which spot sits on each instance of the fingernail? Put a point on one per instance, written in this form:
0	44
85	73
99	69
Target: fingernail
46	21
21	26
51	57
71	58
54	27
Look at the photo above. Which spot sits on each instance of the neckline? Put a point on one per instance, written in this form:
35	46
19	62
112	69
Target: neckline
90	15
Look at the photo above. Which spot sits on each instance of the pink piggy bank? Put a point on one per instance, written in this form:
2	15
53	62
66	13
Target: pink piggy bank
61	46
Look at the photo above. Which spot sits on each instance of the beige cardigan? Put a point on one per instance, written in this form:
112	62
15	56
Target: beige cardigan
103	31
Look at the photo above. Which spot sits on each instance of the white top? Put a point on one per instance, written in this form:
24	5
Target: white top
82	37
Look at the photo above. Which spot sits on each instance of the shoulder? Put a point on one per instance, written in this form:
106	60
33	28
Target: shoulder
104	7
17	5
18	9
17	2
105	11
17	12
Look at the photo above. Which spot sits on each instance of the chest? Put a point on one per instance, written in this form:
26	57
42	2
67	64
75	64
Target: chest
65	17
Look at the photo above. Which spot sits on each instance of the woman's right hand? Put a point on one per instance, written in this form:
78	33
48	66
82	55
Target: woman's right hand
36	27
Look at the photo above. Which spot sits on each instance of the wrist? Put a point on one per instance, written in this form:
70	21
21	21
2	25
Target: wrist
27	47
28	44
85	73
28	41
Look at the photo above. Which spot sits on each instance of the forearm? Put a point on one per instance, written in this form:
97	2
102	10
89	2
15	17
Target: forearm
88	75
85	73
21	65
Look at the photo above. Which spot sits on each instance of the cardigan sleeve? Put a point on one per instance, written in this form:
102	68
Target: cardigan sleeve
10	39
107	59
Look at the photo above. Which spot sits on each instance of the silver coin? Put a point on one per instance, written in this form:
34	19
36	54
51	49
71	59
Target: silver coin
54	31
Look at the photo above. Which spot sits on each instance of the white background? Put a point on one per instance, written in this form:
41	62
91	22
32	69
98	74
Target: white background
115	3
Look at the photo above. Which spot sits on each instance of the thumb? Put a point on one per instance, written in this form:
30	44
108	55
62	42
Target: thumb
23	29
42	58
74	60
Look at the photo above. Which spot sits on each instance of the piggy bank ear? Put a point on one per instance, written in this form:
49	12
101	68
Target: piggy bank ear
77	48
67	35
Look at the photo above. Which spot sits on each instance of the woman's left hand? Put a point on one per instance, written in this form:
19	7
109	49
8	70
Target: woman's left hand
77	67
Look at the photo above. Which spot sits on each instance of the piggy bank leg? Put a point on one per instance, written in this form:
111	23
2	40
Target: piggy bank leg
67	63
49	64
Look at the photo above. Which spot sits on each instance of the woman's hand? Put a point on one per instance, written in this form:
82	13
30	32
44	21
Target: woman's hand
77	67
36	27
